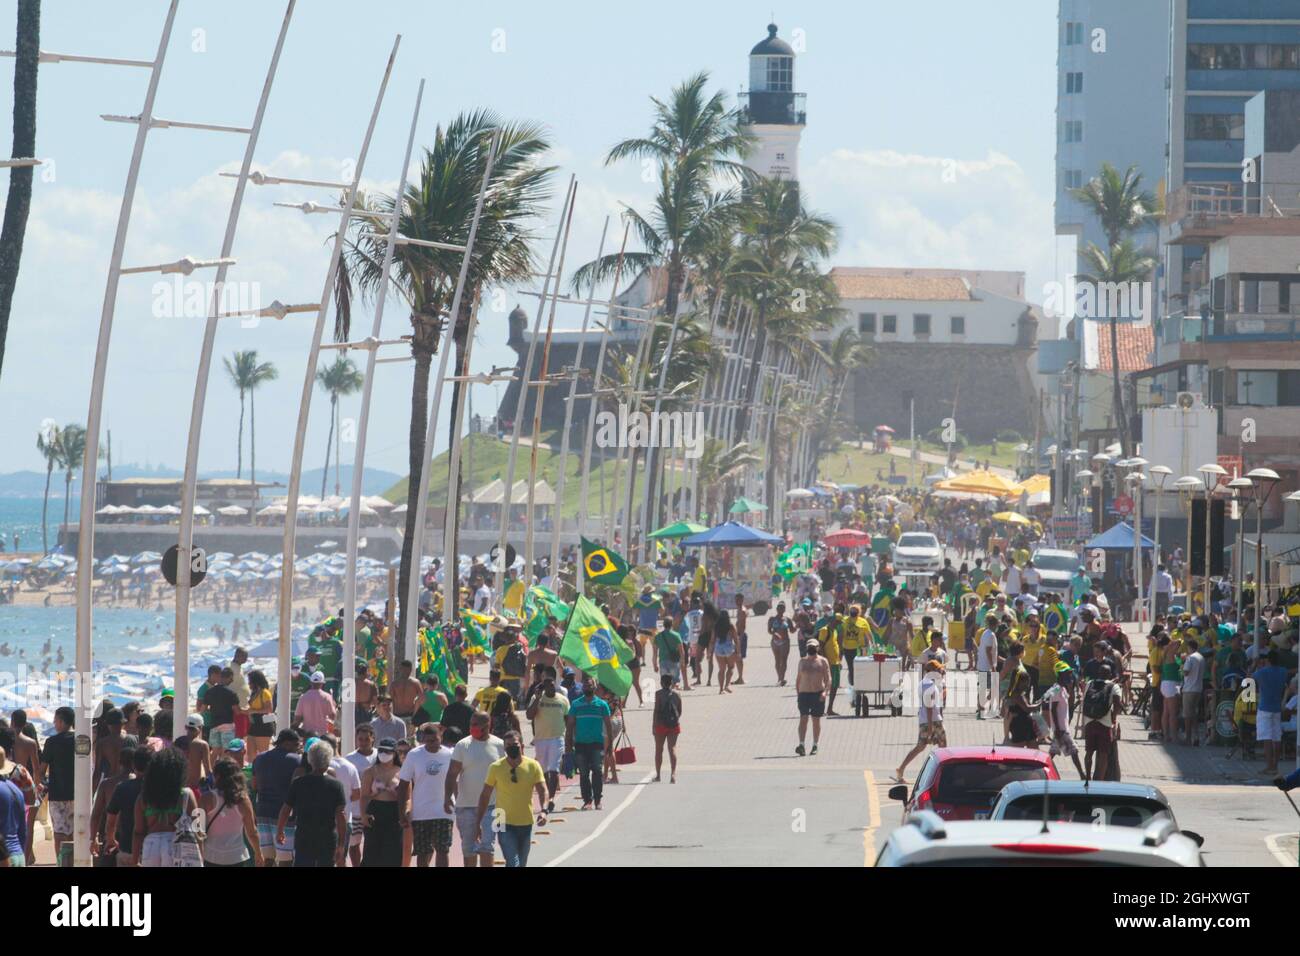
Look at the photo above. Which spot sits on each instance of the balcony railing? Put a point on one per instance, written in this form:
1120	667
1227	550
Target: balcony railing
1235	327
1233	200
773	107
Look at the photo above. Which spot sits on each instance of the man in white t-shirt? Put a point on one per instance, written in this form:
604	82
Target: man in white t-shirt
483	598
361	759
1030	579
1056	707
423	780
929	715
986	665
470	759
1013	584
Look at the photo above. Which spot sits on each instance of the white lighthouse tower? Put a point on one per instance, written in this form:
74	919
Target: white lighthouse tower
772	112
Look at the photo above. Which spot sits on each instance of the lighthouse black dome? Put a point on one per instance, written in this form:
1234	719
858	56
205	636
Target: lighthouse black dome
773	45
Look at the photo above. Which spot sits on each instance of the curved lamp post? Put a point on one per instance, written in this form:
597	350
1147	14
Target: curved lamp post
1240	487
1211	483
1264	479
1189	486
1159	475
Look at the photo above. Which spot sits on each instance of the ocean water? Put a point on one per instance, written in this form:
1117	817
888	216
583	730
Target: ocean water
133	652
22	517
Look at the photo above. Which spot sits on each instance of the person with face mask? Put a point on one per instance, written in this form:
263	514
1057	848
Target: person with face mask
379	812
470	760
510	784
547	709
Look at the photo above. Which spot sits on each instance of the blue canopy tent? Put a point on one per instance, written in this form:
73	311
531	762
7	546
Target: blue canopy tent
731	534
1118	538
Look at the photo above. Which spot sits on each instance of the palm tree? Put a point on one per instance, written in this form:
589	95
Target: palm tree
439	206
848	352
49	442
1118	201
695	140
27	49
72	441
719	466
245	373
1124	264
264	372
339	379
781	244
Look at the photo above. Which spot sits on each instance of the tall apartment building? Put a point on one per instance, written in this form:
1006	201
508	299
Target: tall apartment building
1111	101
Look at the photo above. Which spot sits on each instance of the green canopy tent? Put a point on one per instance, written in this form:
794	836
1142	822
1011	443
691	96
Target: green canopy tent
679	529
744	506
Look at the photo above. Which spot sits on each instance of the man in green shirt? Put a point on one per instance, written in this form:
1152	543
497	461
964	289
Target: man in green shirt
668	647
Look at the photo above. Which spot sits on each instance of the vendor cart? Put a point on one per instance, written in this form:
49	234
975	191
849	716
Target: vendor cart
877	684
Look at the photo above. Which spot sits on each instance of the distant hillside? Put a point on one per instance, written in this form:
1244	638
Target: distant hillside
31	484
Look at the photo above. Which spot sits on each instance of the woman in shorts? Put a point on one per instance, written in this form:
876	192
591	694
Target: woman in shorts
667	726
261	718
724	649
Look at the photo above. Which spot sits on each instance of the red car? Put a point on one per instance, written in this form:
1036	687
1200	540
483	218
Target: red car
962	783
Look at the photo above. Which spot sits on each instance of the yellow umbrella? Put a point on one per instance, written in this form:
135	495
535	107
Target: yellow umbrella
1010	517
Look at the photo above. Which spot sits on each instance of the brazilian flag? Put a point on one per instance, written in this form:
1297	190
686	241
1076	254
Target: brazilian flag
592	646
435	658
795	560
881	609
474	630
1055	618
541	604
601	565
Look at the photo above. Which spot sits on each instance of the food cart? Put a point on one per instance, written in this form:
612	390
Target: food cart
877	684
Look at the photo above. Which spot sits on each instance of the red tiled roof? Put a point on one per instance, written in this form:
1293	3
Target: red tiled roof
1136	343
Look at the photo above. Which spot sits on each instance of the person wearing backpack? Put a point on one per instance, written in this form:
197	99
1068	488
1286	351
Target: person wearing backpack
667	726
512	661
1101	706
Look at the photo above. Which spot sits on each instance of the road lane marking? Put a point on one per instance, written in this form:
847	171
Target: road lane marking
604	824
873	818
1274	844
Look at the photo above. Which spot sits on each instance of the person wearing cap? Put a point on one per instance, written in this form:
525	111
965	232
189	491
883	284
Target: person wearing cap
316	711
198	755
812	681
1055	702
300	681
929	714
273	772
167	699
380	813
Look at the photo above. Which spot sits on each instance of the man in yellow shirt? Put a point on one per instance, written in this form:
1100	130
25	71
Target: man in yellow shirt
829	635
855	634
487	696
513	779
1033	641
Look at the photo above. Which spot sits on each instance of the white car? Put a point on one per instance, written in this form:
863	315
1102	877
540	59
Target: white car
1055	568
917	552
925	839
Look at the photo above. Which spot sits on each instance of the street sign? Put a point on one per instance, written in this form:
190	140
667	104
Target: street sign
198	565
1122	505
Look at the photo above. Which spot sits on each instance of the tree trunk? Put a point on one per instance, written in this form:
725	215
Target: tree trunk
67	498
239	455
19	202
460	336
1121	419
252	439
415	463
671	296
45	508
329	443
338	450
751	383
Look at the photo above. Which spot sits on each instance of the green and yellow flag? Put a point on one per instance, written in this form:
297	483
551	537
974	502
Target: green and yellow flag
436	658
540	604
602	565
474	630
796	560
592	646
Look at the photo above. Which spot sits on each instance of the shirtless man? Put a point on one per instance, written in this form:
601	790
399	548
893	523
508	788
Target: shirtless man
198	756
812	681
542	655
108	748
406	692
742	639
367	694
900	635
28	753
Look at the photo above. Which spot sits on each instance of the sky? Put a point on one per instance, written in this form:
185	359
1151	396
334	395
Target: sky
930	141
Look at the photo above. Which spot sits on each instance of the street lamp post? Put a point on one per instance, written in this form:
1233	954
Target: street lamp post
1188	486
1218	471
1159	475
1240	487
1264	479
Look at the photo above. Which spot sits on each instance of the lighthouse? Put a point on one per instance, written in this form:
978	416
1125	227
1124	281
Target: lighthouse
771	111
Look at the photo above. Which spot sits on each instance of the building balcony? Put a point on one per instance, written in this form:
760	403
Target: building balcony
1233	327
1200	213
773	108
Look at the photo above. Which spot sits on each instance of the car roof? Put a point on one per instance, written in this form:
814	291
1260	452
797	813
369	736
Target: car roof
927	838
1098	788
1061	551
992	754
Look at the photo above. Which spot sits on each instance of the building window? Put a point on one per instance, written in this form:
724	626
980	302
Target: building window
780	157
1243	56
1074	83
920	325
1074	131
1073	33
867	323
1268	387
780	74
1072	178
1216	126
958	325
889	324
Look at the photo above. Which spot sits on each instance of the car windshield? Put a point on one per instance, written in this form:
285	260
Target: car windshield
917	541
978	782
1056	562
1086	808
